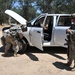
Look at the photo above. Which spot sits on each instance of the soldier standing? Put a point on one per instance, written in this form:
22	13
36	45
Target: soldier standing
71	43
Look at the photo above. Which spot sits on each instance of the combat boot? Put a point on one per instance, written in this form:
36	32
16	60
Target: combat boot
73	69
68	63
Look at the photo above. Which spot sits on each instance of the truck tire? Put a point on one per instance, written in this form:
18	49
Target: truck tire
23	46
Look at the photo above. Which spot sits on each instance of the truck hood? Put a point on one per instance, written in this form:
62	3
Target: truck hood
16	16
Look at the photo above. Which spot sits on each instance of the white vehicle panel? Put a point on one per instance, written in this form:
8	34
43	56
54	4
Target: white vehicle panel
27	35
36	37
60	35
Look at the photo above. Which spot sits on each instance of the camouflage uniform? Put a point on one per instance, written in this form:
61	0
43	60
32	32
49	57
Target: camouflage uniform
11	40
71	44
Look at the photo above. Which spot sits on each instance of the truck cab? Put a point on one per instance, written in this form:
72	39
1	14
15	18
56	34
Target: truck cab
44	30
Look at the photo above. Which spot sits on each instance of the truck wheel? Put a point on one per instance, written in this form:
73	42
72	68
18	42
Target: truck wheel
22	46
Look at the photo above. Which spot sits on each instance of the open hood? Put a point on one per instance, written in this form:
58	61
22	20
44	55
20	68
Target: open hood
16	16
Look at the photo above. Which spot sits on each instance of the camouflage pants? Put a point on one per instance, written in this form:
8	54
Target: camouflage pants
72	53
11	41
72	48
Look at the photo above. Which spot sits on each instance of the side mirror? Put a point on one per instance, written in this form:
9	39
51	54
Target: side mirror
24	28
29	24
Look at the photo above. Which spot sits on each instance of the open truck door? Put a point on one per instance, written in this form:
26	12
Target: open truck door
36	32
36	37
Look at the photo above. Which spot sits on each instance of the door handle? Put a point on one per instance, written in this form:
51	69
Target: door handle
38	32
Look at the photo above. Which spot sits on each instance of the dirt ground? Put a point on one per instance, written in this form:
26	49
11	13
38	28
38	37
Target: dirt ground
35	62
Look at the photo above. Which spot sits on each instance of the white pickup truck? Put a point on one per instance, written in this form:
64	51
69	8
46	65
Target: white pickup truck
44	30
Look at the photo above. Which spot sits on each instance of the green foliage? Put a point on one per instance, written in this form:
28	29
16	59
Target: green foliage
44	5
5	4
56	6
28	10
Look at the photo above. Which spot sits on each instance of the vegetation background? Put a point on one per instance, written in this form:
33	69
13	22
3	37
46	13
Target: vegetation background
32	8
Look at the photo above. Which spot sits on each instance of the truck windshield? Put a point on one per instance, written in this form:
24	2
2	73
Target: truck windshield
32	22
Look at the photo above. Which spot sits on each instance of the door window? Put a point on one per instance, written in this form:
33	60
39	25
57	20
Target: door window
64	21
39	22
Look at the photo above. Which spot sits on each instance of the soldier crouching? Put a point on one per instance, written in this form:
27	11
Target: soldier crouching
11	41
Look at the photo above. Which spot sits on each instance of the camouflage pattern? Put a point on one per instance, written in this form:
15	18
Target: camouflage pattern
71	44
11	40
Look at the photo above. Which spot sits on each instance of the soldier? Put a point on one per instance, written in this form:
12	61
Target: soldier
10	40
71	43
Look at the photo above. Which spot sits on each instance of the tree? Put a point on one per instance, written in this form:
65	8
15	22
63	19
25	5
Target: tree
5	4
28	10
69	6
44	5
56	6
64	6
